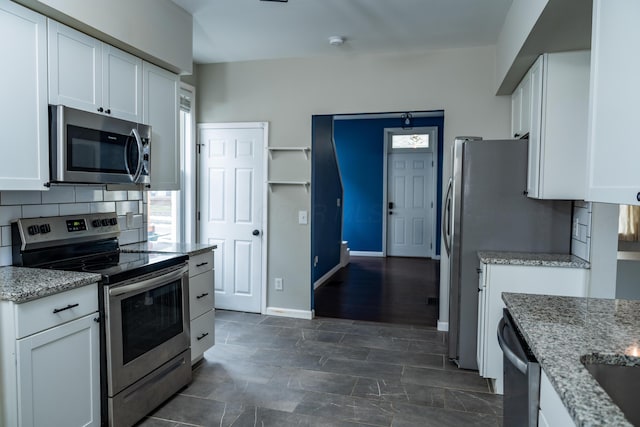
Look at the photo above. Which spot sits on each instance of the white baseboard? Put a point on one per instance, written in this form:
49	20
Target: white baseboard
436	257
367	253
443	326
289	312
326	277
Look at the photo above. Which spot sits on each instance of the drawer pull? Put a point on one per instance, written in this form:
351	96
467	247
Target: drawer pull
202	336
203	295
70	306
201	264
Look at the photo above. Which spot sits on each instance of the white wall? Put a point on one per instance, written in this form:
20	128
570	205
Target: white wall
286	93
604	250
156	30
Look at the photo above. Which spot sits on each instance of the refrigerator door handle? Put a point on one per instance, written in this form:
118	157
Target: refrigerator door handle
446	219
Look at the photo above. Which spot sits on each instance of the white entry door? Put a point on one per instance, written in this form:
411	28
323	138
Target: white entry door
410	210
231	210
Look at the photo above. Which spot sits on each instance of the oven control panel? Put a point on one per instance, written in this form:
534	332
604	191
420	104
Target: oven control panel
47	231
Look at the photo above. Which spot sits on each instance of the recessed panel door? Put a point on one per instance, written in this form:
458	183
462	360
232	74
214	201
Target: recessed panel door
410	205
231	210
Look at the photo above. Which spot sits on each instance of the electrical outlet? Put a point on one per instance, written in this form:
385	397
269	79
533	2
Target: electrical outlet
278	283
302	217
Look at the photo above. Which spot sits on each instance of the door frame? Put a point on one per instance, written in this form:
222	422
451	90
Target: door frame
388	132
265	193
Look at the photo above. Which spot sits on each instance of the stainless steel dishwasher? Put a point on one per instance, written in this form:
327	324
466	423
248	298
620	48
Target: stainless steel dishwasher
521	376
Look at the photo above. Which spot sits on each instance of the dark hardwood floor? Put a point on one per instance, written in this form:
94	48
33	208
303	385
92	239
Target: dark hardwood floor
392	290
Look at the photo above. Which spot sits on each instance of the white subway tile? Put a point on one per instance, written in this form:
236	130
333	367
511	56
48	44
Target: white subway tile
103	207
34	211
137	221
5	240
59	194
5	256
134	195
110	196
130	206
129	236
122	220
75	209
9	213
89	194
143	235
21	197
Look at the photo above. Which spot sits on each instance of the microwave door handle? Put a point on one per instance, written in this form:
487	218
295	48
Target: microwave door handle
136	135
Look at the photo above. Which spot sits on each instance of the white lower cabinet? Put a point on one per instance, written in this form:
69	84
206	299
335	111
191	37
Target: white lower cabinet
552	412
498	278
51	376
201	304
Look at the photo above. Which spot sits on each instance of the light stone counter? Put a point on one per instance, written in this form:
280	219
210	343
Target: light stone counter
562	330
20	284
532	259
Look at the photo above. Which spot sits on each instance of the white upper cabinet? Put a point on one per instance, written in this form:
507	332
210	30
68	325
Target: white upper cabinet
89	75
557	113
24	164
160	110
521	108
613	175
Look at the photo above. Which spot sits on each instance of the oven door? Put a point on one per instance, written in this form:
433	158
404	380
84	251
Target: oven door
147	325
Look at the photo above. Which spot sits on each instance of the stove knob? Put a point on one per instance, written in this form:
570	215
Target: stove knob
95	223
104	222
44	228
33	229
113	221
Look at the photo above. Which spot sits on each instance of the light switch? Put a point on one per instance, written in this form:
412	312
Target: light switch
302	217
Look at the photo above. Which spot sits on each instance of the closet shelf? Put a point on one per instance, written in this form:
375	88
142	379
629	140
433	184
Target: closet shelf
306	184
304	150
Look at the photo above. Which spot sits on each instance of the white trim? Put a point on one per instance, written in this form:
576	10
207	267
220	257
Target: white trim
189	191
416	114
326	276
443	326
289	312
265	194
436	257
388	132
367	253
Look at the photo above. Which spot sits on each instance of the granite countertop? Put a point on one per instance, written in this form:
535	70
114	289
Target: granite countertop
20	284
190	249
561	330
532	259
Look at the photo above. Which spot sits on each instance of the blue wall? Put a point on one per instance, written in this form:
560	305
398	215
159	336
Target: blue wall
360	147
326	226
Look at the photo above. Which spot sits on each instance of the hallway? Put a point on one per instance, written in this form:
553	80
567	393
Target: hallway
390	290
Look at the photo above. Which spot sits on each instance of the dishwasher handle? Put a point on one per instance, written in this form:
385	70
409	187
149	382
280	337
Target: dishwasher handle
520	364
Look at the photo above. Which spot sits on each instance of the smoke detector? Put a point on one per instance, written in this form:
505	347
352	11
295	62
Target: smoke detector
336	40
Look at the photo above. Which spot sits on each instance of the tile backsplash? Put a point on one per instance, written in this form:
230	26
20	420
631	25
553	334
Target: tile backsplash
72	200
581	230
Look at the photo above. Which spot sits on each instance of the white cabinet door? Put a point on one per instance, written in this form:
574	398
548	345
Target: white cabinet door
552	411
24	164
533	169
482	330
521	108
525	279
121	84
613	175
75	68
59	371
160	110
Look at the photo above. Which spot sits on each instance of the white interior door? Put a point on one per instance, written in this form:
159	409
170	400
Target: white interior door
231	210
410	210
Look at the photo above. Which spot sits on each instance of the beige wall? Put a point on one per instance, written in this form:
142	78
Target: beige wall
286	93
156	30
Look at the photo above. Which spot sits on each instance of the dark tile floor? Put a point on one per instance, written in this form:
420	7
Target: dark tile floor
272	371
392	289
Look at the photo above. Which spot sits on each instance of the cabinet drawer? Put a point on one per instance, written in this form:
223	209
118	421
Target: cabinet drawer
38	315
200	263
201	294
202	334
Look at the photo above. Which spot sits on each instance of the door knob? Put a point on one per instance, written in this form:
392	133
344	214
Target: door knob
256	232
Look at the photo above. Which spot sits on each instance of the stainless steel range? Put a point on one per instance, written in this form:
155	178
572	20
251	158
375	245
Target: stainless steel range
144	307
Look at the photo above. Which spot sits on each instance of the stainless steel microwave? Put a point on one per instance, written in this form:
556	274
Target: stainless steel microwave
89	148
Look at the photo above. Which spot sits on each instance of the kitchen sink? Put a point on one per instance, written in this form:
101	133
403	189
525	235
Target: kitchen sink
620	381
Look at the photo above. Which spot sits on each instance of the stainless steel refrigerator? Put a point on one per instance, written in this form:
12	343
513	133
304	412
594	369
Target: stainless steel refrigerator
486	209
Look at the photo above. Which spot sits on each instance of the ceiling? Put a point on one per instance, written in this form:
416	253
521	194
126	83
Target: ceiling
242	30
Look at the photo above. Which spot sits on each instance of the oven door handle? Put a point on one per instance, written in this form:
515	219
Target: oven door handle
138	172
520	364
149	283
